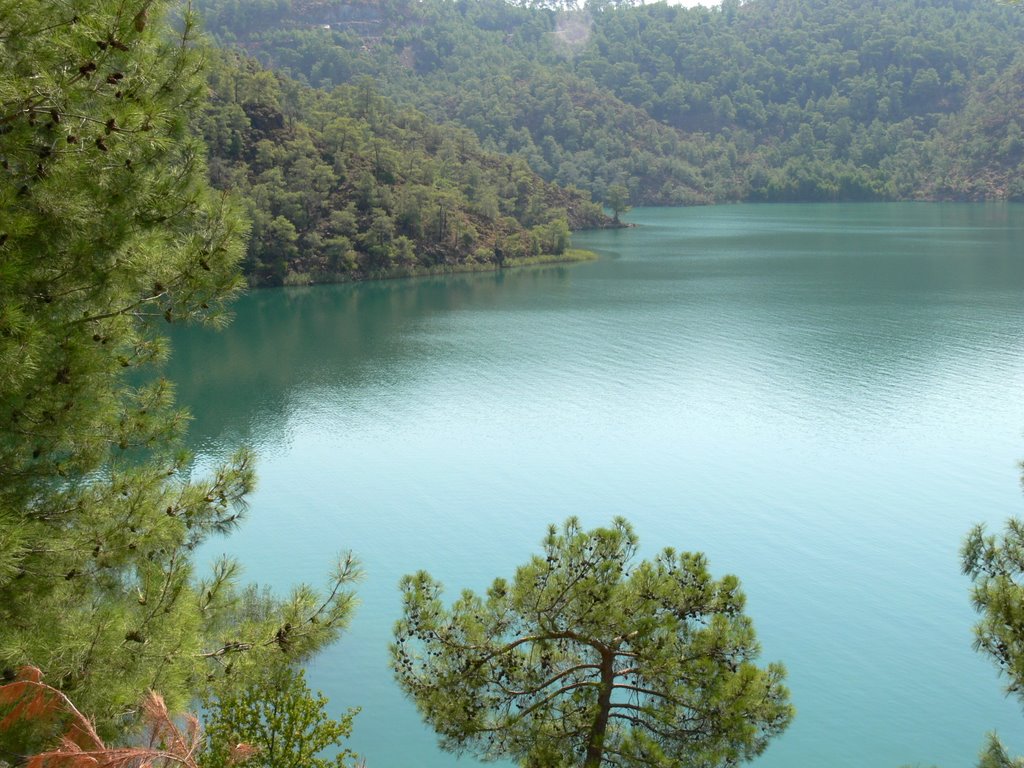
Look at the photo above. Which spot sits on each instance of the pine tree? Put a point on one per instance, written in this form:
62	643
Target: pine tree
995	565
109	231
588	658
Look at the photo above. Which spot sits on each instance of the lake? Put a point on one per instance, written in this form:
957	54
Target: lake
823	398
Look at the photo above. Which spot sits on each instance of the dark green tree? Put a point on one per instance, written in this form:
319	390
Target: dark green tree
109	231
336	195
840	100
587	657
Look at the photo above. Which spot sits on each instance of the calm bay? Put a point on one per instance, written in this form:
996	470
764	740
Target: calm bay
823	398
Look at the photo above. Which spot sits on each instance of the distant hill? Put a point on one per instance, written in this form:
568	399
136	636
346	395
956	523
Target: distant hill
764	100
347	186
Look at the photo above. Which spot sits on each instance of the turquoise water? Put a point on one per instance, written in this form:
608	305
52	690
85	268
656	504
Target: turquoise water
822	398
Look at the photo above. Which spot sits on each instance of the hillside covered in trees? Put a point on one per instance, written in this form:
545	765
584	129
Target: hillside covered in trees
770	100
344	185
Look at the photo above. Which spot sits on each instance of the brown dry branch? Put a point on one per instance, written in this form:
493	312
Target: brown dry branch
29	700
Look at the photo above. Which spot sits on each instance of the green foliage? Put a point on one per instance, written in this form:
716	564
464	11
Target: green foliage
277	715
109	230
618	199
980	148
806	100
995	565
994	755
587	656
345	186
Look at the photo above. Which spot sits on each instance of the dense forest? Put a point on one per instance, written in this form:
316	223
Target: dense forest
770	100
344	184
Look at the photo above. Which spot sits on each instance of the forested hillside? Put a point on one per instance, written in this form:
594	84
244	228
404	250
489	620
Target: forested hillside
766	100
344	185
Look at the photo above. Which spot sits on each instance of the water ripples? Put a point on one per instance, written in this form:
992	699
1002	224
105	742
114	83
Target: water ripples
822	398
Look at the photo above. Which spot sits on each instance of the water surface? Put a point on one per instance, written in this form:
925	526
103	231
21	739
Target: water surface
822	398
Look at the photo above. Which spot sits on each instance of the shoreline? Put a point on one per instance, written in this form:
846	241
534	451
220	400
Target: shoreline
570	256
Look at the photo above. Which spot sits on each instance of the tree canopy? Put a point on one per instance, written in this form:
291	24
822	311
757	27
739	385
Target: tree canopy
762	100
109	231
348	185
587	657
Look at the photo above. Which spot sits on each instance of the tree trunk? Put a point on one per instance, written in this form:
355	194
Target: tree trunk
595	745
